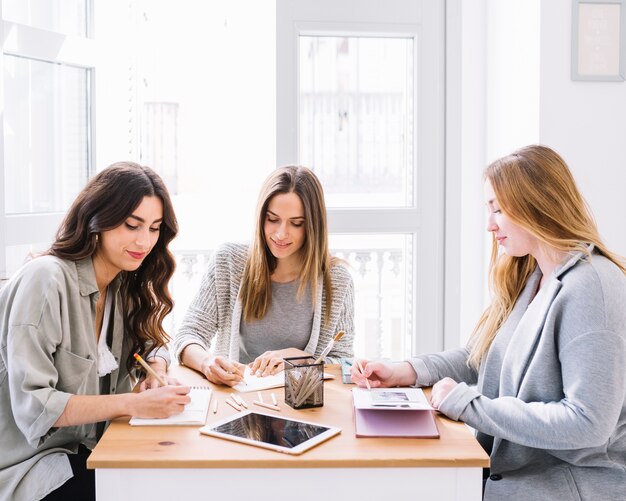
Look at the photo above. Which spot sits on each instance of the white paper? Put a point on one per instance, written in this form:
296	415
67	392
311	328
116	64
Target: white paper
194	414
390	399
254	383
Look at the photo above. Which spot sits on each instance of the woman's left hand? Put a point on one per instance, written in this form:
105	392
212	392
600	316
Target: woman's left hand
271	362
160	367
440	391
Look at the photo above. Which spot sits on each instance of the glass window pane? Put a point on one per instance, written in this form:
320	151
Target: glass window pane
63	16
381	267
192	131
356	118
159	141
46	134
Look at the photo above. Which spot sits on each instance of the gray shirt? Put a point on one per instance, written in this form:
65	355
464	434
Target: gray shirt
214	315
286	324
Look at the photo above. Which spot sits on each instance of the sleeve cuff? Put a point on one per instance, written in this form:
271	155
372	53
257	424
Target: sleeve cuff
423	374
41	429
457	400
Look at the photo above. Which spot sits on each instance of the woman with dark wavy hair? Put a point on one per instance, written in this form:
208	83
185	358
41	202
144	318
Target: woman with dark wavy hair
70	322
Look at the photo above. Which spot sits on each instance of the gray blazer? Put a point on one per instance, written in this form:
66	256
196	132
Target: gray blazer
550	400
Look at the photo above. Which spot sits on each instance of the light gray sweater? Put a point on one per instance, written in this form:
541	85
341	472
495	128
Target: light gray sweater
216	310
550	401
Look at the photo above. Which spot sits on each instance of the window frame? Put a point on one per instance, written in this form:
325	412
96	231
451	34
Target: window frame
423	20
51	47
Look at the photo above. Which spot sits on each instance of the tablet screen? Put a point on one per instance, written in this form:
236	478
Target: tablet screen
286	435
271	430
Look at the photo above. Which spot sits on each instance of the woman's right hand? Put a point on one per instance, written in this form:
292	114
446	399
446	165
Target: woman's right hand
161	402
221	370
382	374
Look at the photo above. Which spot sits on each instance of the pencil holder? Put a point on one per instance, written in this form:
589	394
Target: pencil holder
304	382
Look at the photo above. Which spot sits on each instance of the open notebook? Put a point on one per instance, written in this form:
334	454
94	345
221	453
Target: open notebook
253	383
393	412
194	414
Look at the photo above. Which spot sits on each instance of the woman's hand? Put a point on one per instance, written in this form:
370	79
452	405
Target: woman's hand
160	402
271	362
383	374
440	390
221	370
160	367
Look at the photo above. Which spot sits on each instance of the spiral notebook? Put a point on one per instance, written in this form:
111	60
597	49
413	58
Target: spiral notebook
194	414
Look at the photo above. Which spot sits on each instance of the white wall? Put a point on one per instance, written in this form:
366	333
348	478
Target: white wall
527	96
492	109
586	123
466	110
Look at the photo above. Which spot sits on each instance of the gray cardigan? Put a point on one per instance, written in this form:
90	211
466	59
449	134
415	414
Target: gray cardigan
550	401
216	310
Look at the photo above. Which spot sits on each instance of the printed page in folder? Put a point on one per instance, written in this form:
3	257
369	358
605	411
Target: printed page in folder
194	414
254	383
393	412
401	399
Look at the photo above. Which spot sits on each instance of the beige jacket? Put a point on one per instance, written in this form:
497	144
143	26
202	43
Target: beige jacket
48	352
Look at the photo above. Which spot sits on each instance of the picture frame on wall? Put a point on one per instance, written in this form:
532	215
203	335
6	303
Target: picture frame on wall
598	40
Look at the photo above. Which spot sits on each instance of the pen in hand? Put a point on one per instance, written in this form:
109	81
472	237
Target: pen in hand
367	381
149	369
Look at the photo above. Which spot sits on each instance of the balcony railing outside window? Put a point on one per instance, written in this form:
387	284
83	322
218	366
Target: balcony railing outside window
383	323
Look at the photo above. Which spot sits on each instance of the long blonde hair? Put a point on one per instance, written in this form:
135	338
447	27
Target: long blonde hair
536	190
256	288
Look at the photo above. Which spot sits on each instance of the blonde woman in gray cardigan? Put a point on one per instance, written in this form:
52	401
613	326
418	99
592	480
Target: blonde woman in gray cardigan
548	356
284	296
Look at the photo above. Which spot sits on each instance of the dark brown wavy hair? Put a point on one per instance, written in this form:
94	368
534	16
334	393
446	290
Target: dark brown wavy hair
104	204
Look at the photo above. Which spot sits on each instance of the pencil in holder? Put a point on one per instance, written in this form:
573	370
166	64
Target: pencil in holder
304	382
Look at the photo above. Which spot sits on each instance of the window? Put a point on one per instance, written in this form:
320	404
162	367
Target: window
46	141
203	116
356	118
63	16
45	130
360	100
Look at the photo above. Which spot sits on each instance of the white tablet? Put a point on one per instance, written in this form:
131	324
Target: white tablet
287	435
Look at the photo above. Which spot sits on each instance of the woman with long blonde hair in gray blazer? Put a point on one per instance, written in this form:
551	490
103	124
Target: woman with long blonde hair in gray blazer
282	296
548	355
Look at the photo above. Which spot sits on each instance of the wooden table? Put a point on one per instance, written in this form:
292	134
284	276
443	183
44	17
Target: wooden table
167	462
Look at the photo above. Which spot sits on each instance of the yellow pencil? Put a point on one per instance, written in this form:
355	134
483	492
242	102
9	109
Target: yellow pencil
149	369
